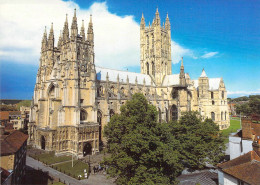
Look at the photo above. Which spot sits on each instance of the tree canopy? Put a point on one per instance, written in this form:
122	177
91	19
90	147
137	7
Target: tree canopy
201	143
144	151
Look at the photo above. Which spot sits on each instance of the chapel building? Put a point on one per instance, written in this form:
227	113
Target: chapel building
74	99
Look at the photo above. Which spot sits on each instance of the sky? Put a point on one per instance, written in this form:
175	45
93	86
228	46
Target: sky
221	36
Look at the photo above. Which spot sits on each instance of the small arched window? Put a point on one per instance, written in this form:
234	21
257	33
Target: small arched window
147	68
123	90
222	115
226	115
153	69
213	116
83	115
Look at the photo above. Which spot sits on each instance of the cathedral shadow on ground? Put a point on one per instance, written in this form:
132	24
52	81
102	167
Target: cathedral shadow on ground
38	177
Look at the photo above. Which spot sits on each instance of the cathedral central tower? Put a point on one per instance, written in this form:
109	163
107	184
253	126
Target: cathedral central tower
155	48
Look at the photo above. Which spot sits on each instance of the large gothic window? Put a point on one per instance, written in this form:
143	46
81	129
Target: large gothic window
213	116
153	69
147	68
174	113
166	111
83	115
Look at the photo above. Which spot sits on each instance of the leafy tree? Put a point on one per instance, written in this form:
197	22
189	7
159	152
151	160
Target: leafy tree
200	141
143	151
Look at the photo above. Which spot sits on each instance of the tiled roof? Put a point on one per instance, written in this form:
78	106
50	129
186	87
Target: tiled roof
245	168
4	115
203	178
12	143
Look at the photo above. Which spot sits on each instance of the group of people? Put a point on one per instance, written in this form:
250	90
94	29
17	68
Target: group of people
99	168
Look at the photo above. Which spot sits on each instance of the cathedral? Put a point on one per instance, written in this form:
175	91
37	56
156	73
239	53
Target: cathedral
74	99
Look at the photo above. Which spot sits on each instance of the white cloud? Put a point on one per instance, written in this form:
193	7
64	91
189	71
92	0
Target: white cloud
179	51
209	54
116	38
243	93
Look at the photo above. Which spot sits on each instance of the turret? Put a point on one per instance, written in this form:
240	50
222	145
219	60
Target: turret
167	23
44	40
51	38
203	85
74	27
60	40
90	35
142	25
182	74
82	31
66	30
157	20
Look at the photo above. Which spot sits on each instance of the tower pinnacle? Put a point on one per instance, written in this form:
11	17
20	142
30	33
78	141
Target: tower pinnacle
82	31
74	26
90	35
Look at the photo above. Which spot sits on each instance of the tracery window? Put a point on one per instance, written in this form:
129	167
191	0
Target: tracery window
174	112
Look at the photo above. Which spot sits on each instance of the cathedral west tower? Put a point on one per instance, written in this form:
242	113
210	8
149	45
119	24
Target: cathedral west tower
155	48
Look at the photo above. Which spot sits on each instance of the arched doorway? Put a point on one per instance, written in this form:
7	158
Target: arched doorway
43	143
174	113
87	149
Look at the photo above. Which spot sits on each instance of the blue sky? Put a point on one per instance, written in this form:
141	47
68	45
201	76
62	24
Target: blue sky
222	37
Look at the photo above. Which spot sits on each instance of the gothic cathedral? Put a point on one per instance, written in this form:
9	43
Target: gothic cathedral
74	99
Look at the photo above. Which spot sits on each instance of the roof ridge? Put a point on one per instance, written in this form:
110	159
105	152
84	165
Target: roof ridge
119	70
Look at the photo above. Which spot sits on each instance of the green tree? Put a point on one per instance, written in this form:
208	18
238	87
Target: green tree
143	151
200	141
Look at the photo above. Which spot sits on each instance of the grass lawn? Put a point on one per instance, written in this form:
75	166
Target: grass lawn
58	183
50	158
234	126
75	171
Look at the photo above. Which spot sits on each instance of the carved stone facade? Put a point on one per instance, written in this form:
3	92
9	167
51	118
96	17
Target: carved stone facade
74	99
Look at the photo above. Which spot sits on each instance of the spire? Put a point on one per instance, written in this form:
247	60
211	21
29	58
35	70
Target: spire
51	38
167	23
203	74
66	29
60	40
142	25
44	40
182	74
90	35
127	80
82	31
74	26
157	17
